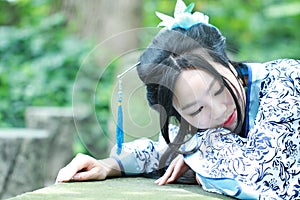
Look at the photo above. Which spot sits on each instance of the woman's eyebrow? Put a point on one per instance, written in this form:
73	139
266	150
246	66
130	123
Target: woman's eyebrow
212	83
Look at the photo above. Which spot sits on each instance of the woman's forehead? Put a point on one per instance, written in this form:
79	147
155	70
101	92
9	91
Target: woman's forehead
195	75
196	80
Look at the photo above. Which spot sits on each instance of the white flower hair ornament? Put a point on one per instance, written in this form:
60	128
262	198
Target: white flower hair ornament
183	17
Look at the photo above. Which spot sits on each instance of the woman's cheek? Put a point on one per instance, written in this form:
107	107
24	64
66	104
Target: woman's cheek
199	123
191	120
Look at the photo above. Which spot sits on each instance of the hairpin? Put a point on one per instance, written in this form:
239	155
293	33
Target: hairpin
183	17
119	127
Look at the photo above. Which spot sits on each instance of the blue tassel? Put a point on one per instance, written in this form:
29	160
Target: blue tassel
119	128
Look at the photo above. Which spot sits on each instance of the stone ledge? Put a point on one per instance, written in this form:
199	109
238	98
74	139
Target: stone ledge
22	133
22	155
134	188
59	123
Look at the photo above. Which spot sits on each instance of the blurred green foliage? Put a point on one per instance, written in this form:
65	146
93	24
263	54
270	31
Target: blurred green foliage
256	30
39	60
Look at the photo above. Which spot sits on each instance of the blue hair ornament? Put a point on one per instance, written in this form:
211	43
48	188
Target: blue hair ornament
183	17
119	126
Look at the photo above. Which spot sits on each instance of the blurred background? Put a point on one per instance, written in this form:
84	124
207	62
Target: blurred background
57	53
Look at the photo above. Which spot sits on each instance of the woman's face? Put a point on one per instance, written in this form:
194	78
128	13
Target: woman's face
195	99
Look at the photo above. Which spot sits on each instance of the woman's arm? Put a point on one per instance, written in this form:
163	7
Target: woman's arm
137	157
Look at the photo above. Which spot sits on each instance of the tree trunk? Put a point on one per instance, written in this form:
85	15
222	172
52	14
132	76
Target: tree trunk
101	19
111	25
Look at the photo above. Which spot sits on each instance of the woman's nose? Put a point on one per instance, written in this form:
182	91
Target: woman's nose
219	112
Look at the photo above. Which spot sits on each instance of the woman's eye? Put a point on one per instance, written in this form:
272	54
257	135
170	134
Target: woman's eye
196	112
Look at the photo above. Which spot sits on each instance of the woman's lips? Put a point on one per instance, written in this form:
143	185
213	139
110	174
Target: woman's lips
230	119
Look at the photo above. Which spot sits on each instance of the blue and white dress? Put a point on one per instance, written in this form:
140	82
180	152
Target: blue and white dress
263	165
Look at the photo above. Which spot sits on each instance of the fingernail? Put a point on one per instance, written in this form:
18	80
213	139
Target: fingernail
75	177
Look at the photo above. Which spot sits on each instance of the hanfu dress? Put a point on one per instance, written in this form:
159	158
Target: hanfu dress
265	163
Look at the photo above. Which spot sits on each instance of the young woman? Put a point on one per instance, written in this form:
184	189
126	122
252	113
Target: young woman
233	126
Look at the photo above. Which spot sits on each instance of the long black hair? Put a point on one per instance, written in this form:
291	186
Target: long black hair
172	51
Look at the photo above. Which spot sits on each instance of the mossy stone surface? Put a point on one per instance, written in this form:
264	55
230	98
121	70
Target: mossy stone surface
134	188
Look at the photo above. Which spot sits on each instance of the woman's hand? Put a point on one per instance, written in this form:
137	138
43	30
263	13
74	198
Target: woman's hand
177	168
84	167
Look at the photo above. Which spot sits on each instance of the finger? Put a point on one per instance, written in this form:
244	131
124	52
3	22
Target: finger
178	170
81	176
92	174
163	180
170	176
64	175
78	163
157	181
198	180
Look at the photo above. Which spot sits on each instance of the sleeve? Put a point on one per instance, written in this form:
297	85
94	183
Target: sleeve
142	155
